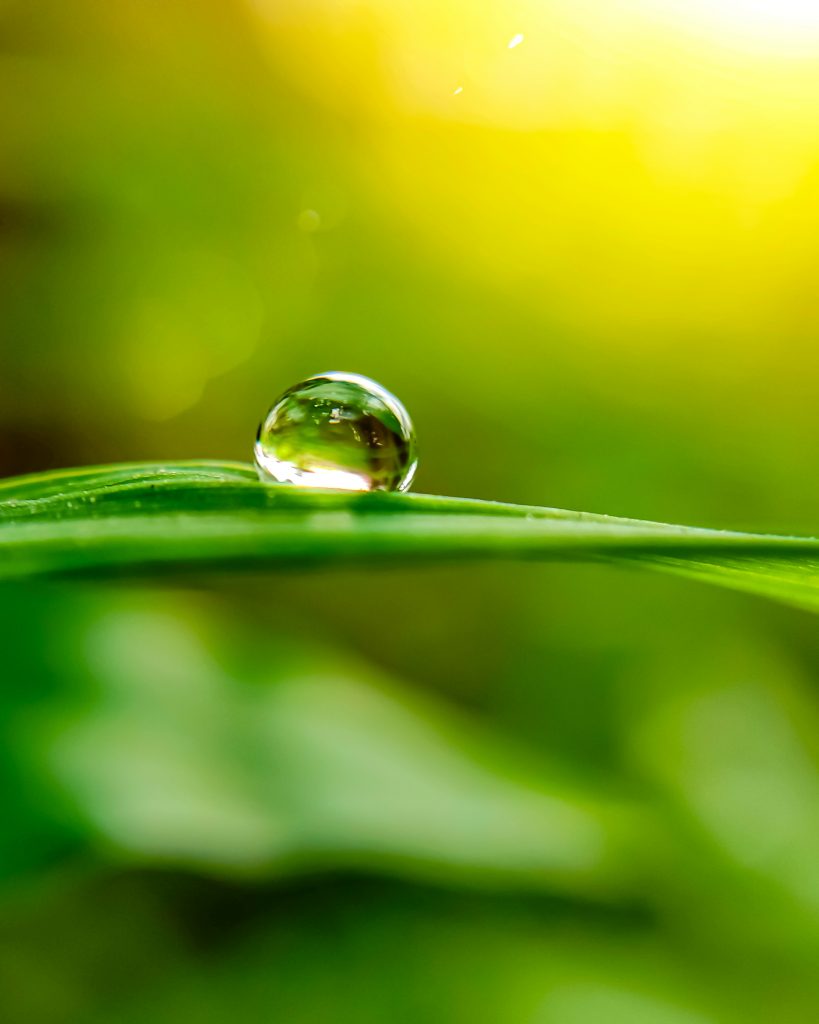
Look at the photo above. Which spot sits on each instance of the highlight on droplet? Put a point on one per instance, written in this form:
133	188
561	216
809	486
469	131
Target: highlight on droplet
458	90
516	40
339	431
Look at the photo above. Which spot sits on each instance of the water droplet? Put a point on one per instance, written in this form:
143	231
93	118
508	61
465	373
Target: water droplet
340	431
516	40
458	91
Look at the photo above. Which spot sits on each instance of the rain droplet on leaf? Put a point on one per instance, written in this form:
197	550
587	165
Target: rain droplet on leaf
338	431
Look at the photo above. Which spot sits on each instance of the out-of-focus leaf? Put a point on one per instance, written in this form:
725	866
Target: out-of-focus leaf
379	954
307	760
735	751
183	736
142	517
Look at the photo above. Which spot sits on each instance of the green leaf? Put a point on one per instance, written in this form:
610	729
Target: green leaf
181	739
138	518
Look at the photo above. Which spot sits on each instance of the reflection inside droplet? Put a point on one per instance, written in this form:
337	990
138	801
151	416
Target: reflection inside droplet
339	431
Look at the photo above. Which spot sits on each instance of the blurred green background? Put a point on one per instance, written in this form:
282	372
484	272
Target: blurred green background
508	793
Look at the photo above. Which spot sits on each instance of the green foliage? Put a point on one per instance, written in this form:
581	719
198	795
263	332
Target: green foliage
140	517
303	780
252	819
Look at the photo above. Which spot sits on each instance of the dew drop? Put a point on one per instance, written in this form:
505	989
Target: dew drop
339	431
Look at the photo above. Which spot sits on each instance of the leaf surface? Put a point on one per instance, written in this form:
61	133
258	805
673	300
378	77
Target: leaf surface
138	518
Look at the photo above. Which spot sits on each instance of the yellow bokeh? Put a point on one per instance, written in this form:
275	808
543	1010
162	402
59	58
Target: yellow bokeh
640	170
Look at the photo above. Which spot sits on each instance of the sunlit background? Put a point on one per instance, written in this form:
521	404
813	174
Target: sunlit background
580	240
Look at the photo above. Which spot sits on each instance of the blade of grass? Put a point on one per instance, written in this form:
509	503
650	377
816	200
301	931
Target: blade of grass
137	518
